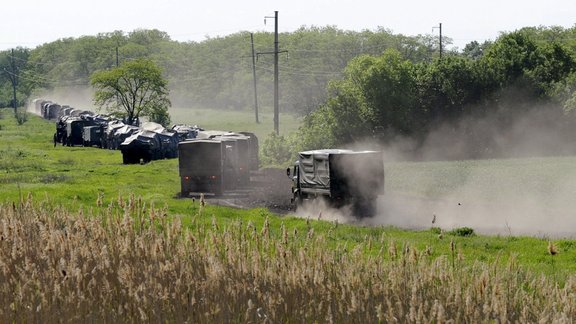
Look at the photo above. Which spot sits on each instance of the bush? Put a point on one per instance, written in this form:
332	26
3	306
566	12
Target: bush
435	230
21	116
276	150
462	231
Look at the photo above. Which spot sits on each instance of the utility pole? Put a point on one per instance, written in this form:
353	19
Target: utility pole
254	77
276	52
14	79
117	61
440	30
276	101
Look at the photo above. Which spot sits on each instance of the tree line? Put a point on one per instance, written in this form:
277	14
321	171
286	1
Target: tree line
216	72
350	86
511	97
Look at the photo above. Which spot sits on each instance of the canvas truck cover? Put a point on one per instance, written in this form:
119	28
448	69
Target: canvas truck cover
342	171
208	134
153	127
142	138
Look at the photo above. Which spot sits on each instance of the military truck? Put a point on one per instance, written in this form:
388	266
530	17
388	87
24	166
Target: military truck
340	177
140	147
92	135
207	166
74	130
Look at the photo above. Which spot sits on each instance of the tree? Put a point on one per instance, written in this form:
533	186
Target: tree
388	86
132	90
12	68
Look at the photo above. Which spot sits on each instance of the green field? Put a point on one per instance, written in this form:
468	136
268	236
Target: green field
75	218
78	177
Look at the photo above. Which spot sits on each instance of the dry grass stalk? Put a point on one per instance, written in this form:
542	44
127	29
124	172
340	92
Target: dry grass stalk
113	267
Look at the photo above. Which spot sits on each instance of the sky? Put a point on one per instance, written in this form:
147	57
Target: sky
30	23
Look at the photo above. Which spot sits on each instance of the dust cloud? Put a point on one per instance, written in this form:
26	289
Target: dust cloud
79	97
319	210
494	174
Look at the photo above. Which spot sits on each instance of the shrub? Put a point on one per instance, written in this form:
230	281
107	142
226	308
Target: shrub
21	116
462	231
435	230
276	150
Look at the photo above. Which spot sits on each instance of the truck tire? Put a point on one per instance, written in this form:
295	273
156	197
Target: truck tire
297	201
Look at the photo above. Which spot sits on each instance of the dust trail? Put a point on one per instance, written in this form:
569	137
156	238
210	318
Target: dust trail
513	180
319	210
500	174
517	217
79	97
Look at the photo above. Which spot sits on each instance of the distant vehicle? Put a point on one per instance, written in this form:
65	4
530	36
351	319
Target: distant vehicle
186	131
207	166
340	177
142	146
74	130
50	110
92	135
247	151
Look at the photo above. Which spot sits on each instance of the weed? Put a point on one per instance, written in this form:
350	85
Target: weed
21	116
462	231
435	230
54	178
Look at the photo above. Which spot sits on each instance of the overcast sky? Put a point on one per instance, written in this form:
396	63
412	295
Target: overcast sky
29	23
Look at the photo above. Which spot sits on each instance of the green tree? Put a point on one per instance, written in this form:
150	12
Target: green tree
13	73
377	100
276	150
132	90
388	85
475	50
447	87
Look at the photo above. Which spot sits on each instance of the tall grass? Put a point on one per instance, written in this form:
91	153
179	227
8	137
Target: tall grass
132	262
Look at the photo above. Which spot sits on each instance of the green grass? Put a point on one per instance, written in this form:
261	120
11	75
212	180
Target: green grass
75	177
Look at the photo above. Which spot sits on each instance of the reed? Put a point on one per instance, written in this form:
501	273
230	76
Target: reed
133	263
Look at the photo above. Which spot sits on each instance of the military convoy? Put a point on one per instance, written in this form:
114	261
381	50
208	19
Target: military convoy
216	162
75	127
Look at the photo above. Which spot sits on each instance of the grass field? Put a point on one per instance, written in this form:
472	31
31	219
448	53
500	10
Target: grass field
40	179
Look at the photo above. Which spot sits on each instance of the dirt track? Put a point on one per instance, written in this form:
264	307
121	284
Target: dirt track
271	189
